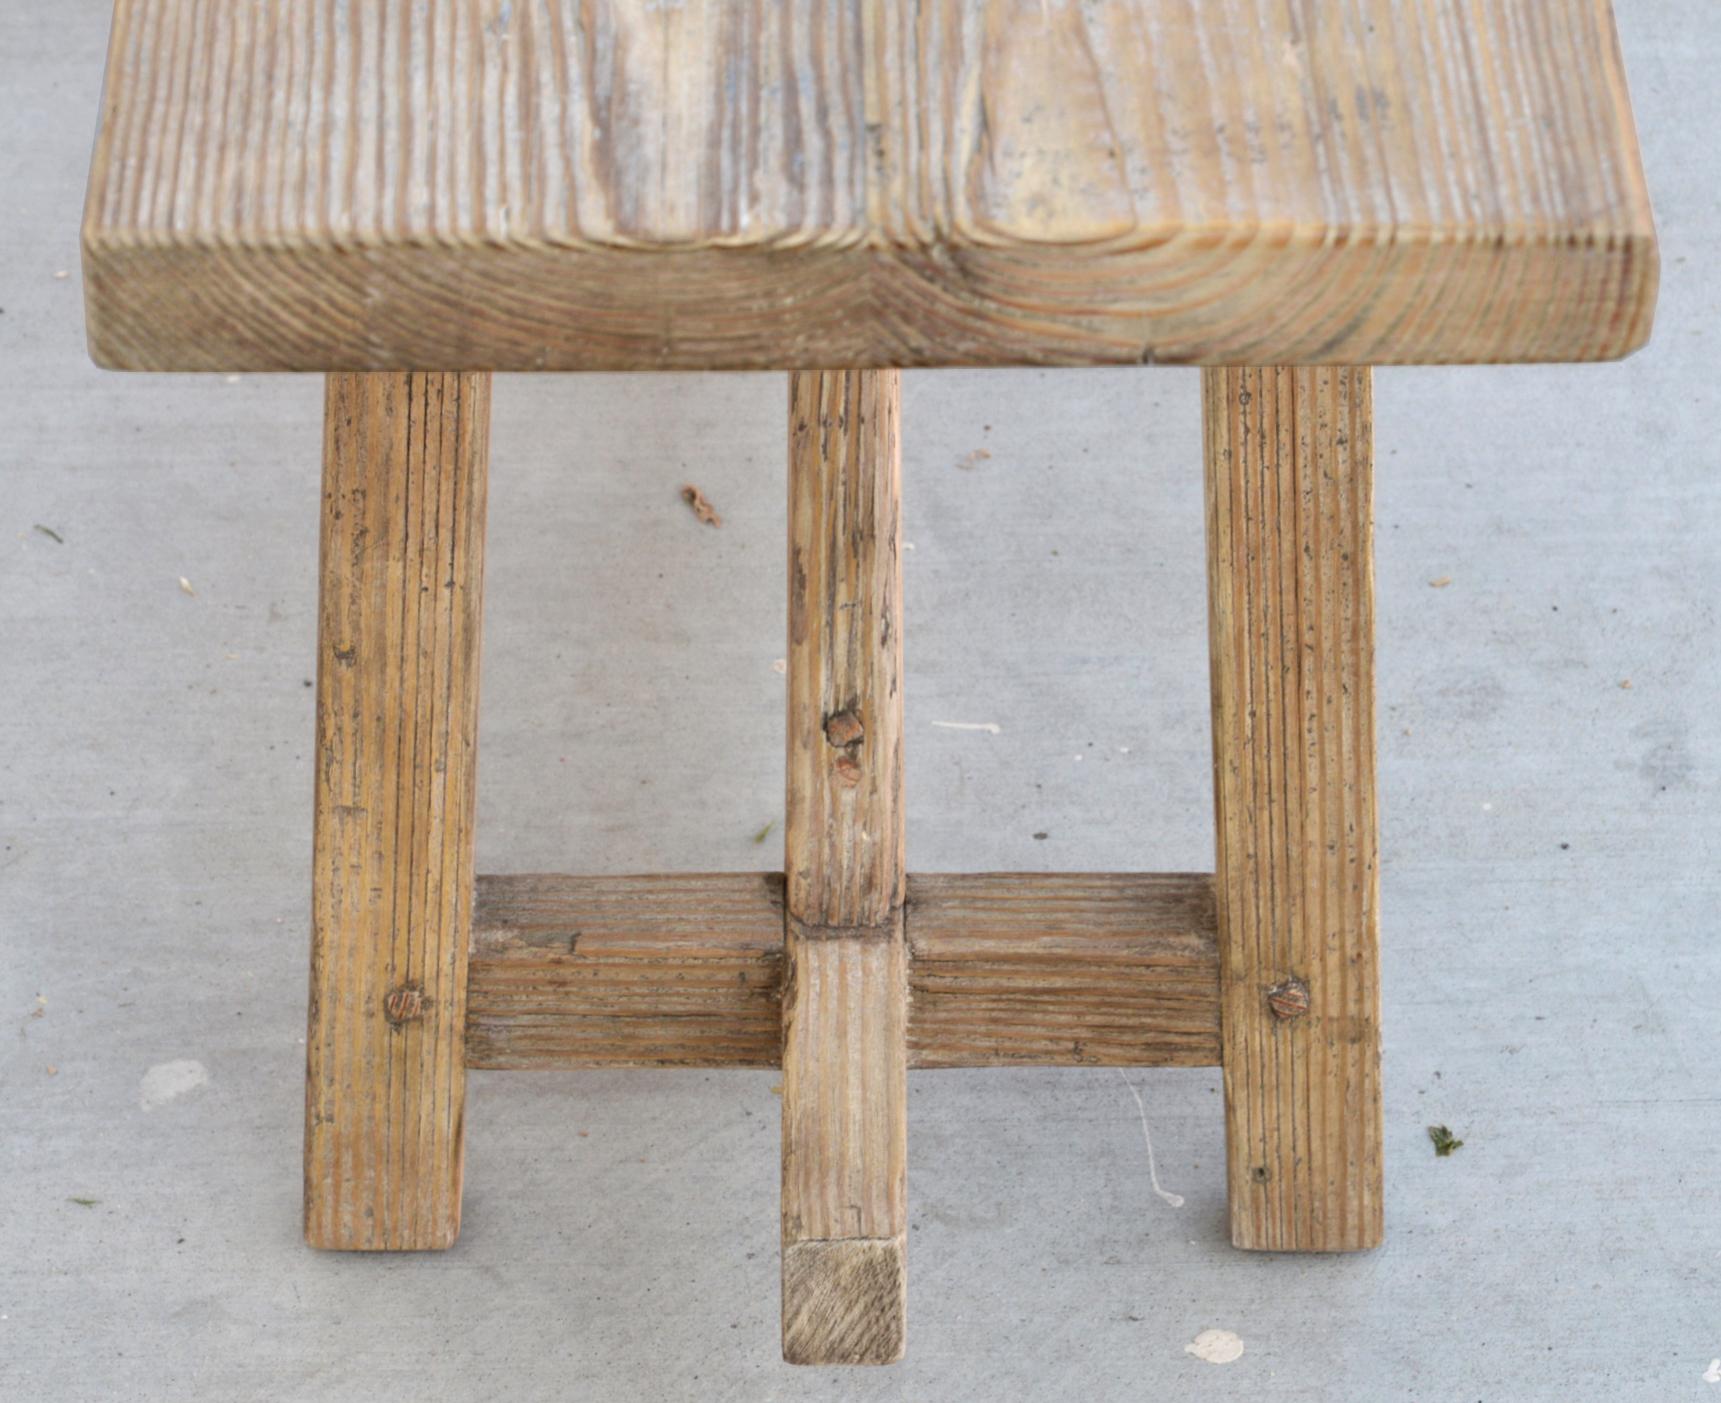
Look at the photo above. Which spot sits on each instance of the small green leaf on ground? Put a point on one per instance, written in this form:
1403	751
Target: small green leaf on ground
51	534
764	832
1445	1142
84	1202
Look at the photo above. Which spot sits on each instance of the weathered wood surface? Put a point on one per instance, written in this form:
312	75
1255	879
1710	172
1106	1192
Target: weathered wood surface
1087	969
397	713
1042	969
1291	571
655	971
845	996
623	184
842	827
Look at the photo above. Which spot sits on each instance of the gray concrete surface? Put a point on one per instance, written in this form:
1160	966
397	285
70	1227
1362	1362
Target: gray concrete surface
1550	864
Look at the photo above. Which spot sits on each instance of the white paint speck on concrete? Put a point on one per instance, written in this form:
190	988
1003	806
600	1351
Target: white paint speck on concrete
1216	1347
1712	1375
167	1081
1175	1200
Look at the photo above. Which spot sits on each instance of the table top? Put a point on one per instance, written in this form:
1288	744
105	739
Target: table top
645	184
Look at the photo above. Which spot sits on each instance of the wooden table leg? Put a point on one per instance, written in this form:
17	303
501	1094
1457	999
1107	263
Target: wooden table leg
1289	500
845	1066
405	458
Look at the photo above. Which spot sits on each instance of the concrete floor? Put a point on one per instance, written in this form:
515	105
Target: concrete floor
1550	884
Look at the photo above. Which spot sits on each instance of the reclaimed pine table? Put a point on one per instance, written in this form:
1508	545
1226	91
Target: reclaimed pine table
407	197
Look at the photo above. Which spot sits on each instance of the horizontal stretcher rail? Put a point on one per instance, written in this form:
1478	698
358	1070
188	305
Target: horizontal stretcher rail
1005	969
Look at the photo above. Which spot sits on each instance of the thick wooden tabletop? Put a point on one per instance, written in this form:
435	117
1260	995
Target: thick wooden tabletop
635	184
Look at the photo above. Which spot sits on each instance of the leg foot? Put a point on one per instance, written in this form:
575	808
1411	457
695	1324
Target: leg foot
844	1302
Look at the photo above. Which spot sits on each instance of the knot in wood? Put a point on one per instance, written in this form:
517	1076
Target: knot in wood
1289	999
843	729
848	769
403	1004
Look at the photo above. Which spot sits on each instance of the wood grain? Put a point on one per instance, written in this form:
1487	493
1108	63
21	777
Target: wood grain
624	184
842	829
1291	572
397	710
657	971
1004	969
1062	969
845	998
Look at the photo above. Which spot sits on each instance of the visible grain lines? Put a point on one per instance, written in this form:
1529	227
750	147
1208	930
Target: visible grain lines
1063	970
397	705
1289	484
864	183
845	1000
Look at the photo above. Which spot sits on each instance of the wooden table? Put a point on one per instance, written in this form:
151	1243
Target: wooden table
409	197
